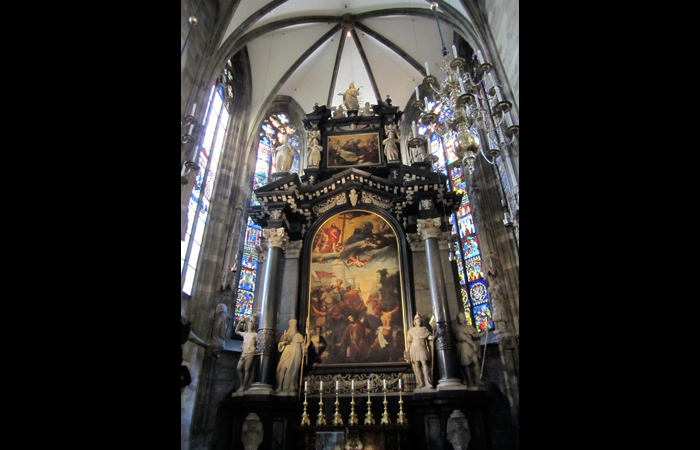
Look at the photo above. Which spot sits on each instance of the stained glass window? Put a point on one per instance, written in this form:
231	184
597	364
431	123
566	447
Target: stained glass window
271	132
466	252
215	125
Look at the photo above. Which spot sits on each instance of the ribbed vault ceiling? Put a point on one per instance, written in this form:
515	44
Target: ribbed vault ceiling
311	50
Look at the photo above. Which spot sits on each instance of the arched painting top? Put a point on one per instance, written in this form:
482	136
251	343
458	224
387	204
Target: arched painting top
356	295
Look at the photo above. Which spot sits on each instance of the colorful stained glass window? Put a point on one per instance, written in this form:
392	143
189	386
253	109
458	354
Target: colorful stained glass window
272	130
466	252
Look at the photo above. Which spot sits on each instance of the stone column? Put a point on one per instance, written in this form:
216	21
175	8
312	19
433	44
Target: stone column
269	303
429	231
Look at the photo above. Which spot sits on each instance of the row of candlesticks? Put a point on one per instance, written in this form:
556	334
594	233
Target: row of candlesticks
352	420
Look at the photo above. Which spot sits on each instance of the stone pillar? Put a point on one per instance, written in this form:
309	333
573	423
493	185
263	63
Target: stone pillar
429	231
269	303
290	293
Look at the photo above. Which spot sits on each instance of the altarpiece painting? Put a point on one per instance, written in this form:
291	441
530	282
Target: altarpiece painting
355	293
353	150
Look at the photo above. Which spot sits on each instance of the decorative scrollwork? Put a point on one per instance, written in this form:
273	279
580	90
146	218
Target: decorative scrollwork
338	200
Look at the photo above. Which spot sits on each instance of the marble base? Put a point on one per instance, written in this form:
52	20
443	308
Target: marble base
451	384
424	389
476	388
260	389
287	393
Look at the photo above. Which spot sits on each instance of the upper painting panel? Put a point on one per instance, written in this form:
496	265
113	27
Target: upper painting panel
351	150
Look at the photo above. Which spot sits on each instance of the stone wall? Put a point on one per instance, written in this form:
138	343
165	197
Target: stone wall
504	22
199	36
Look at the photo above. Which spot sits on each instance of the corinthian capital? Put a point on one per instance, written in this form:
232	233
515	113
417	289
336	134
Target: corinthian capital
293	249
429	228
276	237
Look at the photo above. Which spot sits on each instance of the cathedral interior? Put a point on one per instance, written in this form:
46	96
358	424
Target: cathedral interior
349	224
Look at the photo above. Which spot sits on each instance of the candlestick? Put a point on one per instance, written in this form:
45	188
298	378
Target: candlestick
190	132
415	135
337	420
427	70
454	51
401	419
352	420
369	420
305	417
385	415
321	419
461	86
480	57
305	382
353	385
426	103
417	98
194	108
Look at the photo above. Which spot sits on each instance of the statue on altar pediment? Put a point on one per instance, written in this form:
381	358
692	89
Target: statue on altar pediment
418	353
314	153
284	155
350	98
391	150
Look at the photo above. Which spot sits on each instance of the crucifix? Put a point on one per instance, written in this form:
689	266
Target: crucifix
343	216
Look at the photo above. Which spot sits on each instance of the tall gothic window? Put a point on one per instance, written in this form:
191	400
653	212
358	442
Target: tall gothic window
271	133
466	252
215	125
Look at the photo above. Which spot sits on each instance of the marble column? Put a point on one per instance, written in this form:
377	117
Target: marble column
429	231
269	304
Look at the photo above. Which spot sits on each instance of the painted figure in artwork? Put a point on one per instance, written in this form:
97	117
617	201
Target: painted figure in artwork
350	98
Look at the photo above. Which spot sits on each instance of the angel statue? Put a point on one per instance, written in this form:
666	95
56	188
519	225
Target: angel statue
391	150
284	155
350	98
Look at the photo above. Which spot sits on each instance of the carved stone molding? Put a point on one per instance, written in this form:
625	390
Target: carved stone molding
276	214
353	197
293	249
444	336
276	237
266	343
425	204
414	240
338	200
376	200
429	228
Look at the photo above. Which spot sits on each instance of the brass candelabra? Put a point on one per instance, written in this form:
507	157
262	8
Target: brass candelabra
401	419
385	415
352	420
337	420
305	417
369	420
321	420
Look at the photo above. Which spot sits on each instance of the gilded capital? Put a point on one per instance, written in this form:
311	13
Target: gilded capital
429	228
276	237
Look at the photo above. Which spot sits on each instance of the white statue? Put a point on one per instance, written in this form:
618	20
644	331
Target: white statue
468	350
314	153
350	98
292	347
338	114
284	155
367	111
219	331
391	150
245	364
418	352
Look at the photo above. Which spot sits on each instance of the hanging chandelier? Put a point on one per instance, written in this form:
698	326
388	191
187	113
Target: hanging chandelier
469	103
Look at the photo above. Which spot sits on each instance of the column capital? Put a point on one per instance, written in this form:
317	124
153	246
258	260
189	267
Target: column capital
276	237
429	228
293	249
